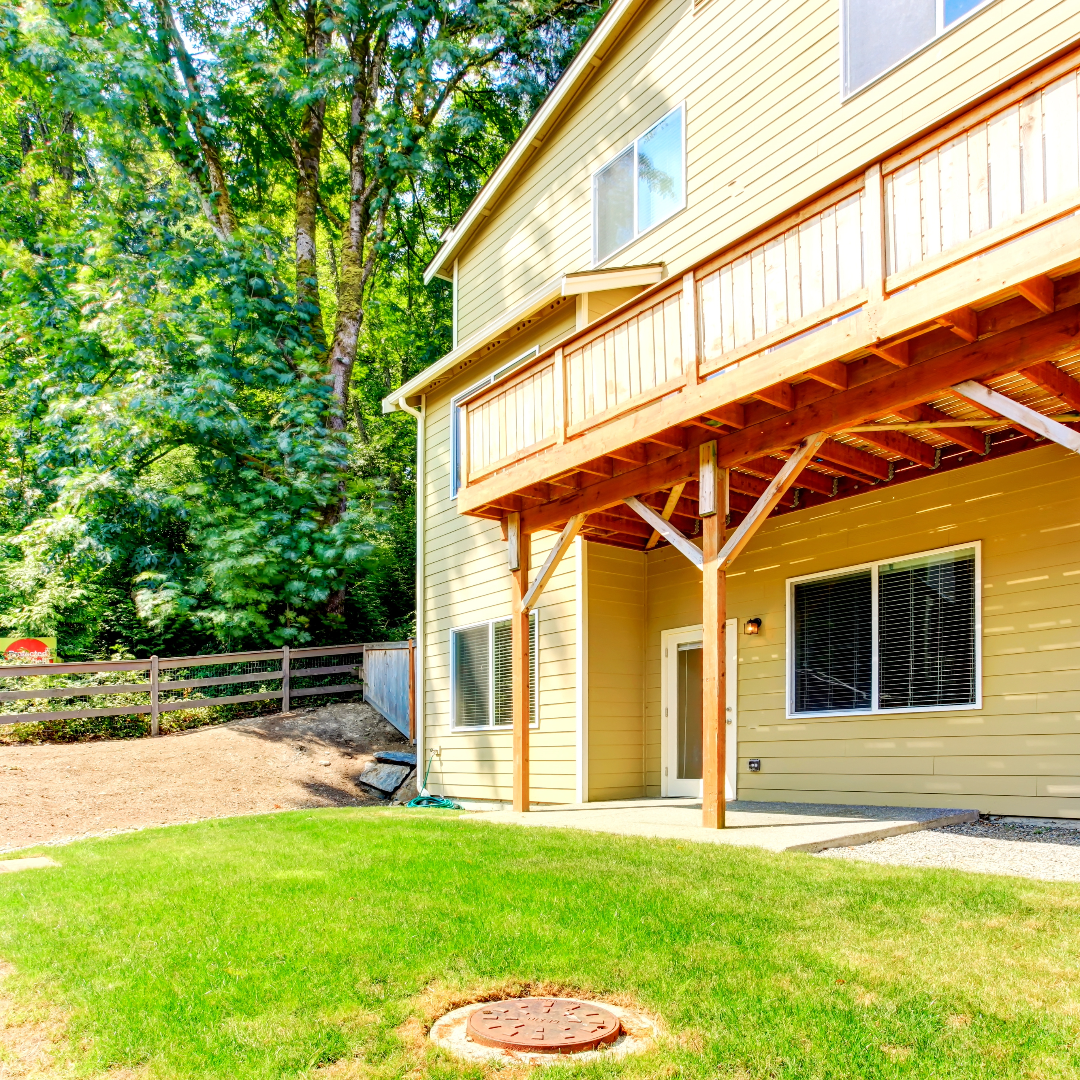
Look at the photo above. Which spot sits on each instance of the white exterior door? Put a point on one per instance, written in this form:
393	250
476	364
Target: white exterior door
681	711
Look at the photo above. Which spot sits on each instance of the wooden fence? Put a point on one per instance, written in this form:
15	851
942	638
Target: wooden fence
166	684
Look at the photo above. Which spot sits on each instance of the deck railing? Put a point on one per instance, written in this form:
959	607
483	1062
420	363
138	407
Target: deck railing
165	684
1008	167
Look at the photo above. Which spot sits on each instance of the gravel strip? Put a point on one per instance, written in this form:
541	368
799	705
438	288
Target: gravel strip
1044	850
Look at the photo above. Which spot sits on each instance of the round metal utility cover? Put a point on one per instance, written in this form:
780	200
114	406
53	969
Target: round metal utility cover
543	1025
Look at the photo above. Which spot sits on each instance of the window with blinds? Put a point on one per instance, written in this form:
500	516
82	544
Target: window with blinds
481	674
893	635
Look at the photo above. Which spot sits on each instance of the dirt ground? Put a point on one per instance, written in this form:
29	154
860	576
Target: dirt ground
289	761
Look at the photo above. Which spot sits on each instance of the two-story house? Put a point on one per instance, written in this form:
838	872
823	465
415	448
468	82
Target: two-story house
755	457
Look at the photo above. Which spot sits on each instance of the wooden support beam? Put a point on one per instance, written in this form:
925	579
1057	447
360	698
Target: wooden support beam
832	373
898	353
601	466
1039	291
1055	381
845	457
669	508
733	415
630	525
520	691
808	478
783	480
1051	337
673	438
635	454
1029	419
512	535
970	440
897	442
668	531
963	322
708	485
560	548
713	675
780	394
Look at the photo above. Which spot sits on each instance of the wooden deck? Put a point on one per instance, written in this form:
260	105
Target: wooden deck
954	259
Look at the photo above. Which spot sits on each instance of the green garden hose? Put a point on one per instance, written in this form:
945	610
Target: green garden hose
432	800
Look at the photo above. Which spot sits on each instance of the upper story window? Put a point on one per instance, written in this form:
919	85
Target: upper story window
640	187
878	34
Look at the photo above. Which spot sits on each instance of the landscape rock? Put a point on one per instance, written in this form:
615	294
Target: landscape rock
384	778
407	792
395	757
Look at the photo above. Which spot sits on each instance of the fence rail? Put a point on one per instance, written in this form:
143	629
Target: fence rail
387	685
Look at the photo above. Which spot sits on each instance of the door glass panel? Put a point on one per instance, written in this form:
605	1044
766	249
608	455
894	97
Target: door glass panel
689	712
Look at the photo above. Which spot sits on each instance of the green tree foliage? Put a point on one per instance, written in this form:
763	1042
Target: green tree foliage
214	220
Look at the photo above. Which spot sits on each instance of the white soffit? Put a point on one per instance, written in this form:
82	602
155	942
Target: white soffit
617	277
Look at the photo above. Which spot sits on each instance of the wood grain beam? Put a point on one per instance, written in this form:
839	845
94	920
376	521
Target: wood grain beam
808	478
963	322
780	394
668	531
896	442
551	563
1039	291
1055	381
674	495
832	373
849	457
965	437
1050	337
898	353
1030	420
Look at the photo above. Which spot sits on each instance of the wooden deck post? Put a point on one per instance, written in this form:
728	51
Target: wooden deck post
155	697
712	484
519	665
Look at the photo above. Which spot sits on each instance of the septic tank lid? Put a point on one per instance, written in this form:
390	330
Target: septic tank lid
543	1025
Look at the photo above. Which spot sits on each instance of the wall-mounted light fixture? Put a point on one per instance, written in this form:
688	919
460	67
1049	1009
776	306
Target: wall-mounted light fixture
753	626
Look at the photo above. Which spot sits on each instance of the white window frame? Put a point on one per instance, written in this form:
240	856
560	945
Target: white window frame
534	687
596	261
457	414
940	31
875	709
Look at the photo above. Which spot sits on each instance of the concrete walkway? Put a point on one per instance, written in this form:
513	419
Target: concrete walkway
774	826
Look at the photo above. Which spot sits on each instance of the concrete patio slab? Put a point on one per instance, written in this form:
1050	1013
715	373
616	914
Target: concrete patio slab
773	826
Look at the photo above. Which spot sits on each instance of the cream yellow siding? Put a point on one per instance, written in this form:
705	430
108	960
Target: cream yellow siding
616	600
1019	753
766	128
466	581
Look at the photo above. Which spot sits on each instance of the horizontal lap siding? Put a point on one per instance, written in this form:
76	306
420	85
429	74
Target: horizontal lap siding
467	581
1020	752
616	652
766	128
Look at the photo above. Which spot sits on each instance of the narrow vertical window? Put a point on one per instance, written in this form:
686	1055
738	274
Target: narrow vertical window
926	635
640	187
834	643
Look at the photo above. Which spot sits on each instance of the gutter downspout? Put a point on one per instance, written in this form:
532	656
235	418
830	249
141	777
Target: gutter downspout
420	568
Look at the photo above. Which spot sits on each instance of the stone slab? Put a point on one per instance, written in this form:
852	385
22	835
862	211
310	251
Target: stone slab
395	757
385	778
13	866
774	826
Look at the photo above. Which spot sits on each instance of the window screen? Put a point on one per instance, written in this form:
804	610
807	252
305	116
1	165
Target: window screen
472	676
834	643
923	627
926	631
503	674
615	205
879	33
482	679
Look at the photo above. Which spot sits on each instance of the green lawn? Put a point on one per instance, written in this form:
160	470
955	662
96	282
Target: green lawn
271	946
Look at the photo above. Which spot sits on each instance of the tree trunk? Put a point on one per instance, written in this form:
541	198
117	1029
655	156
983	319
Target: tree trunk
308	163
